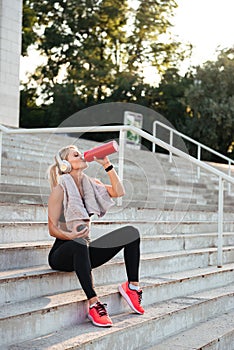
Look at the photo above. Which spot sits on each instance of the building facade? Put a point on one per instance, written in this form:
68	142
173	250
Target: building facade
10	49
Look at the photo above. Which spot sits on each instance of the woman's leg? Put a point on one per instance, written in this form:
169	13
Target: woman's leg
107	246
74	256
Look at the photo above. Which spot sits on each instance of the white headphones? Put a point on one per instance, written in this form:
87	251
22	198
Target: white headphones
64	165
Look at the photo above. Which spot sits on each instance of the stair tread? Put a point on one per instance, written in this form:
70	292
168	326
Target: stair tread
201	335
43	244
45	269
25	245
86	333
54	300
115	221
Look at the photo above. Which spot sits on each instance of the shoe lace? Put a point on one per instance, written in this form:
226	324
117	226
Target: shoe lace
139	293
101	309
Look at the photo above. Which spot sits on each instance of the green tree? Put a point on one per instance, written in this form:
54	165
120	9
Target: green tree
170	98
101	45
30	113
210	103
29	36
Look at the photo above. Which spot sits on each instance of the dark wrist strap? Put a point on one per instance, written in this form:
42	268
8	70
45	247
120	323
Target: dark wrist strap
110	167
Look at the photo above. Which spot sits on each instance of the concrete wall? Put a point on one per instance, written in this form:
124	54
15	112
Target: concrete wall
10	48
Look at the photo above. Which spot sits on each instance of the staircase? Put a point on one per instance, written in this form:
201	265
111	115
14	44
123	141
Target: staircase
189	302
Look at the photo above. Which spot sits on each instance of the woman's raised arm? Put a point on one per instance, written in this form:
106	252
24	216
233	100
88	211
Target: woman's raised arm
116	189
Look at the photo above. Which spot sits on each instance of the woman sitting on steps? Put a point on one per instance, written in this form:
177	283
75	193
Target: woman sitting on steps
74	198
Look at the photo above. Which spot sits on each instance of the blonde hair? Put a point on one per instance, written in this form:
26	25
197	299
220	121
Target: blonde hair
54	170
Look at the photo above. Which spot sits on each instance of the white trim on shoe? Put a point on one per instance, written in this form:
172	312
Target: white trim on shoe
99	324
128	300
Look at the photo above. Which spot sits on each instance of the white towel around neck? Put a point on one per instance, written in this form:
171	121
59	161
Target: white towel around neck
96	199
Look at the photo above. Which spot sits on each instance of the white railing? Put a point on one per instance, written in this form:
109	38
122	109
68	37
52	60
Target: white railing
122	131
199	145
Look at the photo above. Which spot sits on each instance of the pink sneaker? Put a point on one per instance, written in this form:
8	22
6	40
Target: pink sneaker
133	297
99	316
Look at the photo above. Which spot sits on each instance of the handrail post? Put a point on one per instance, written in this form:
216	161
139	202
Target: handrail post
154	134
171	144
199	158
230	174
220	223
121	160
0	156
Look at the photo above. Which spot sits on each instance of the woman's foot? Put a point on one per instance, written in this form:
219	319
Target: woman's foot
133	297
99	316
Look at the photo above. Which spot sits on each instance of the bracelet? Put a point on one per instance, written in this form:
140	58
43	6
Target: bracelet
110	167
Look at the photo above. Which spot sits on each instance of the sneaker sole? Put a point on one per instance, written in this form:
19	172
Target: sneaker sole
99	324
128	300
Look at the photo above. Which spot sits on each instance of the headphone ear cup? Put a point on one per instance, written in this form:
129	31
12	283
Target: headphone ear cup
65	166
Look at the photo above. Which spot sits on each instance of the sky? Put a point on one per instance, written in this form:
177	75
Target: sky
206	24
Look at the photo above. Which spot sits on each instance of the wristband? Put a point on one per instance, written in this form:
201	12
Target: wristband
110	167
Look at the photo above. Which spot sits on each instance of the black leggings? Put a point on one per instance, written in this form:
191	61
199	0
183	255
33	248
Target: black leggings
77	256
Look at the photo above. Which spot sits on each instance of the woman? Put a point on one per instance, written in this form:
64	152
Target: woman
74	198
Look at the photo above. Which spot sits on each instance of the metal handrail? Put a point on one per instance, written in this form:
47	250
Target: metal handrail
199	145
122	130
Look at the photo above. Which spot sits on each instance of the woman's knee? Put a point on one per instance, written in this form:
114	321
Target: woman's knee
132	232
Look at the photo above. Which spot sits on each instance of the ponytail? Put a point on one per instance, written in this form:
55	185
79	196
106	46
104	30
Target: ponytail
53	175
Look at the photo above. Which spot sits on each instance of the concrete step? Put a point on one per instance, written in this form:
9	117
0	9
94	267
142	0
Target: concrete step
15	212
23	160
149	244
129	331
18	189
175	206
43	156
166	227
23	231
25	170
52	141
26	180
22	212
23	198
40	195
34	178
34	144
16	232
163	188
216	333
29	283
49	142
133	186
26	254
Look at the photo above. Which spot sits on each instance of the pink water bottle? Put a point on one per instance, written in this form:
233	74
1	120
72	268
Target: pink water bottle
101	151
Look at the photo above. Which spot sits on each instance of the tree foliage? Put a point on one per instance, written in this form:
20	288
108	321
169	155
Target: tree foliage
210	102
101	45
171	100
96	50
